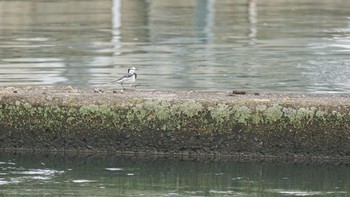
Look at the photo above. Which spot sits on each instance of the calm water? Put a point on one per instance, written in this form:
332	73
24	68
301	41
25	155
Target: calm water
60	175
272	45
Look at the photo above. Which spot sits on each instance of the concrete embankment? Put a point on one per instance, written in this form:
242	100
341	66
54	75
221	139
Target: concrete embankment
175	122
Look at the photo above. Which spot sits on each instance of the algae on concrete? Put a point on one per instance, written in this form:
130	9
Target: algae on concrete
206	122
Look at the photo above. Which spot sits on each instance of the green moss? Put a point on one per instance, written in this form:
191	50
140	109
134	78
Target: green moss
191	108
161	110
256	119
167	115
273	114
337	114
88	109
260	108
289	113
304	113
242	114
1	112
139	112
221	113
321	115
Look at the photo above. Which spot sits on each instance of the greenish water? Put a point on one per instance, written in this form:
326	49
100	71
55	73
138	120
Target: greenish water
108	175
265	45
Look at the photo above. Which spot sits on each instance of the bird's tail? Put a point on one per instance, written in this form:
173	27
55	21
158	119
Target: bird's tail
116	81
106	84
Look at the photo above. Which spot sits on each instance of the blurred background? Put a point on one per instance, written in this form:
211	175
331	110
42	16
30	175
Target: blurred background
263	45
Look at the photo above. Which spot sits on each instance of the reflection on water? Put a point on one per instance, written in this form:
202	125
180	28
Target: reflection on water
62	175
271	45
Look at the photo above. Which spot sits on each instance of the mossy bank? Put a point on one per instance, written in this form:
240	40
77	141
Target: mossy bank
175	122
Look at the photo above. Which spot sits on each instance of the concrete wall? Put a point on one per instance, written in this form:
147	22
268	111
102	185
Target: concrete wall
175	122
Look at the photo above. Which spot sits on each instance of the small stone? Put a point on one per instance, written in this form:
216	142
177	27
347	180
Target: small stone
15	91
239	92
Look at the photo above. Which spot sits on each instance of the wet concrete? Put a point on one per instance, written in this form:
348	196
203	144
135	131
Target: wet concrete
152	122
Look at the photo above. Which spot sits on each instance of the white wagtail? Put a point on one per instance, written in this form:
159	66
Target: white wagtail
128	78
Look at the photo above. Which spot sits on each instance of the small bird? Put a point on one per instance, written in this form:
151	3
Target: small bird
128	78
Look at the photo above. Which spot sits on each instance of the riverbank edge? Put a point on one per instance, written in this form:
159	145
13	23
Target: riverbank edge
194	123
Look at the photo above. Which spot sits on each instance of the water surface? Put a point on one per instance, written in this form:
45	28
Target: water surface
111	175
268	45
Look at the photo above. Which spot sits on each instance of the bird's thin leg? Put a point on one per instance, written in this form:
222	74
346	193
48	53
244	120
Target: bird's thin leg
122	86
